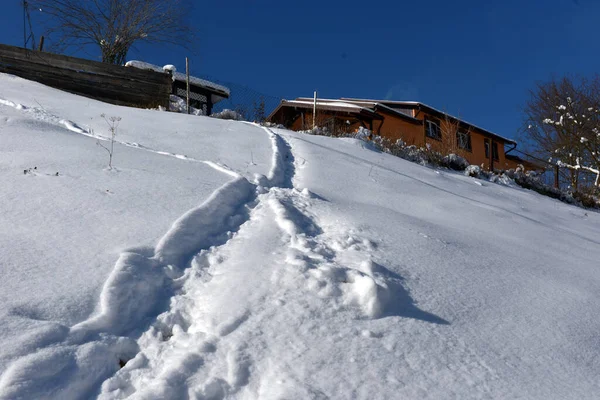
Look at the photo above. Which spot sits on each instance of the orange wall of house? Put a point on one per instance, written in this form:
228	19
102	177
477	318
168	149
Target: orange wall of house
512	164
321	117
395	128
477	154
477	157
297	125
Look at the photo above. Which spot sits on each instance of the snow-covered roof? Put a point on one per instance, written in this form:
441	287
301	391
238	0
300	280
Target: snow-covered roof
178	76
327	103
371	105
324	104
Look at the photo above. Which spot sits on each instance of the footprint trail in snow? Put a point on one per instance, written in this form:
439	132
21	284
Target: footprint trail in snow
213	310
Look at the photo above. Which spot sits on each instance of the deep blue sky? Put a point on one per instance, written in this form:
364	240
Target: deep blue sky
472	58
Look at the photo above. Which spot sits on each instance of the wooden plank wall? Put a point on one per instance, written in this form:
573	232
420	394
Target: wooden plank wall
105	82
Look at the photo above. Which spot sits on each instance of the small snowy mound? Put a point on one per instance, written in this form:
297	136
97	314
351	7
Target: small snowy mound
455	162
228	114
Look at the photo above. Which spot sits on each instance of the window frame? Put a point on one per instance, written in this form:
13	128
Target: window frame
487	143
495	151
459	142
428	123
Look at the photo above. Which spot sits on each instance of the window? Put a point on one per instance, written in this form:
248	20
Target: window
494	149
463	139
432	129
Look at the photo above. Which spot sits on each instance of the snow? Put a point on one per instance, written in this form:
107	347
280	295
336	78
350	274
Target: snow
223	260
322	103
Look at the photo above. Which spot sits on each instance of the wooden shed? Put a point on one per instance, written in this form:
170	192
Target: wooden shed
204	94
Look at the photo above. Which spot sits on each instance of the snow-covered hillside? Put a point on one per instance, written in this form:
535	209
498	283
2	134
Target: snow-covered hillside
221	259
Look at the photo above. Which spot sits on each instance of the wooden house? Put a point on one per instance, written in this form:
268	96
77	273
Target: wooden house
412	122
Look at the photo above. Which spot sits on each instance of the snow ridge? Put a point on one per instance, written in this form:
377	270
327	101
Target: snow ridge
43	115
282	164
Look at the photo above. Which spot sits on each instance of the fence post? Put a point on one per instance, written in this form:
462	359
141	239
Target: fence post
41	48
556	180
187	81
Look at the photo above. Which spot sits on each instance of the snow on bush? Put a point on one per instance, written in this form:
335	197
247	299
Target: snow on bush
532	180
228	114
179	105
473	171
455	162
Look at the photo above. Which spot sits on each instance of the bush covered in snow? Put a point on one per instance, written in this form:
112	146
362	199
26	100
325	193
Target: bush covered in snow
531	180
474	171
455	162
229	114
179	105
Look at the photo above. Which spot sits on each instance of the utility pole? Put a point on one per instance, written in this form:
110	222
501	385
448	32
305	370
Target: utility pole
25	24
187	81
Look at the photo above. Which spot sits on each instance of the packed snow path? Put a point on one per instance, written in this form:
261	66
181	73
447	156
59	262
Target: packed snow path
219	330
140	286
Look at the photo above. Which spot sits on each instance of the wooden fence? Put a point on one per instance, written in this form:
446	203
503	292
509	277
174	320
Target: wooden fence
105	82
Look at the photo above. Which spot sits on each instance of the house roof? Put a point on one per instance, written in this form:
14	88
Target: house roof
371	105
215	88
327	105
416	104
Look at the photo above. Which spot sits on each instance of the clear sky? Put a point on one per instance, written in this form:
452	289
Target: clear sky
473	58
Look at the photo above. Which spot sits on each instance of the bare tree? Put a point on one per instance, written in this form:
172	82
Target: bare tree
562	125
113	125
455	137
116	25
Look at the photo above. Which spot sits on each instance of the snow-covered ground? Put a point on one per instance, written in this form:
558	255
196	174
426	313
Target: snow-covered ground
220	259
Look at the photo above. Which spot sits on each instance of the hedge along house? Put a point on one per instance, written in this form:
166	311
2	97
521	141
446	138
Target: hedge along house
203	94
412	122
